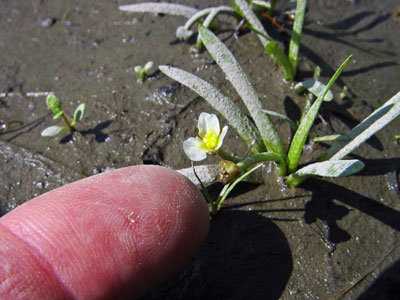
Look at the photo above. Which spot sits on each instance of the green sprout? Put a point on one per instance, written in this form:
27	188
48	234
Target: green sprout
261	137
54	104
397	137
143	71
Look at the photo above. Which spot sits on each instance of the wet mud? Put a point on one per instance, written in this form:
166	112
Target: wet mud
327	239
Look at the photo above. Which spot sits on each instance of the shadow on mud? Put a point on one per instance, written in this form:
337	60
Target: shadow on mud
386	286
245	256
322	207
98	133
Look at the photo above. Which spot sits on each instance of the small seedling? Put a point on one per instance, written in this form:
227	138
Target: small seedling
143	71
53	103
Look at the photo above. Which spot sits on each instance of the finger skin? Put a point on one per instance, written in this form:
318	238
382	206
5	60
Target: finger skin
110	236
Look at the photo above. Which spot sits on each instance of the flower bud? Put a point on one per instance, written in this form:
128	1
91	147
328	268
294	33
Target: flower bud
228	171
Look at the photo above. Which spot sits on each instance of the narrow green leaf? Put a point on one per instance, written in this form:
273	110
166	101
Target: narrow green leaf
235	117
78	114
294	45
234	73
316	87
302	132
53	130
58	115
278	56
367	128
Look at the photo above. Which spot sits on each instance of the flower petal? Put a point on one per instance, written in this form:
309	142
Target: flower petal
212	124
202	124
222	136
192	148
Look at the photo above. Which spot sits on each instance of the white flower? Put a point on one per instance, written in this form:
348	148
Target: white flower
209	139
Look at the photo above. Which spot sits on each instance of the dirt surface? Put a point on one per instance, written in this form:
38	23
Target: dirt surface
328	239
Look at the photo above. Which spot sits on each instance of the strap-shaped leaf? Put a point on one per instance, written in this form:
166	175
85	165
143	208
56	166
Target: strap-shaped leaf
235	117
367	128
160	8
332	168
234	73
299	139
316	87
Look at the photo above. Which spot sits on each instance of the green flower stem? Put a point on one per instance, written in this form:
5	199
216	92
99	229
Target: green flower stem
262	157
226	156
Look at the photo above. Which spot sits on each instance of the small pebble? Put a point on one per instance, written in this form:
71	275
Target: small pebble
48	22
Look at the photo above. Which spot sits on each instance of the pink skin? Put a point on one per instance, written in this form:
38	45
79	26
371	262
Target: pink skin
110	236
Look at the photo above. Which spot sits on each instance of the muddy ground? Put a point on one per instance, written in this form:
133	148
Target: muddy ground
328	239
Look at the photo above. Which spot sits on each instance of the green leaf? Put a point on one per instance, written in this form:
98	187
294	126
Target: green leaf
235	117
333	137
234	73
299	139
279	57
294	45
332	168
315	87
58	115
78	114
53	104
53	130
367	128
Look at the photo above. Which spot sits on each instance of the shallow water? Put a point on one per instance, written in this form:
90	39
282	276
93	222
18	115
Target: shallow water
329	239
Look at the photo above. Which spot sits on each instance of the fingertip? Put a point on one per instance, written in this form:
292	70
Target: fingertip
114	234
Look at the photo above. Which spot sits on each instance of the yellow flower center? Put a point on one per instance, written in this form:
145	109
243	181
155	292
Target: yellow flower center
211	140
